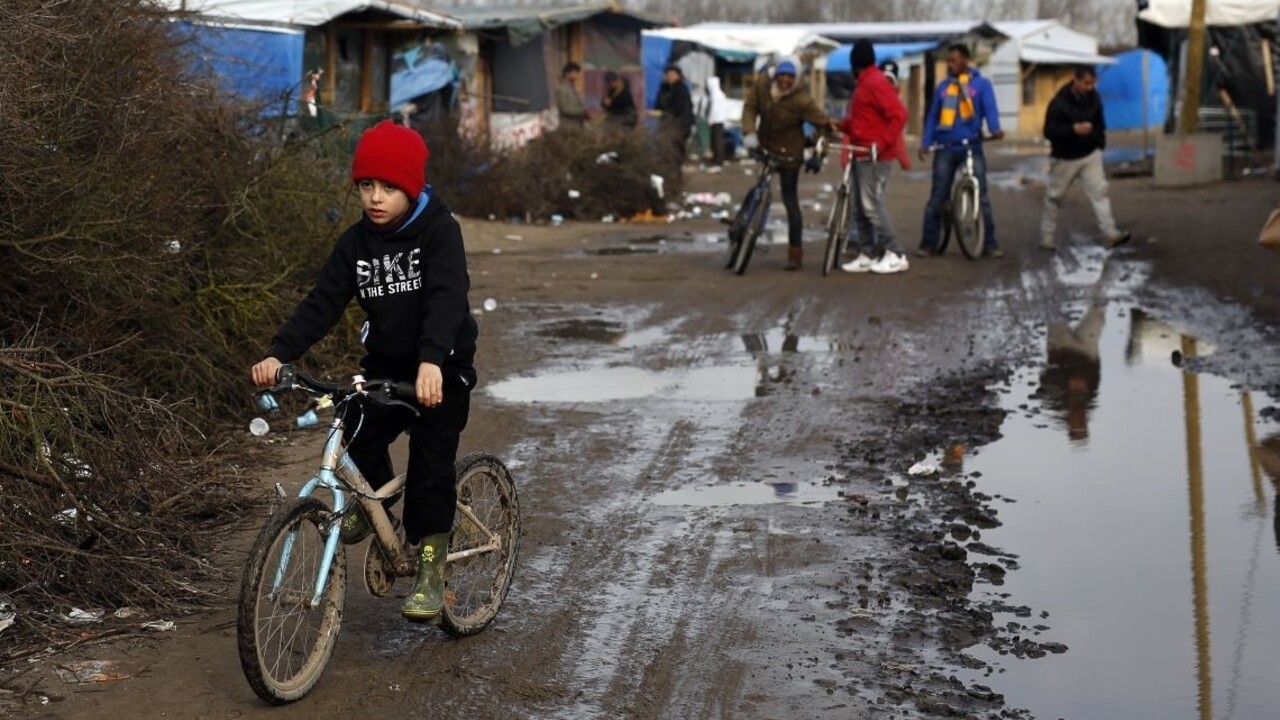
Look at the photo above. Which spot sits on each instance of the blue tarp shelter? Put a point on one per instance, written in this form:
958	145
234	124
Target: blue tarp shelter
655	53
838	60
258	64
1120	86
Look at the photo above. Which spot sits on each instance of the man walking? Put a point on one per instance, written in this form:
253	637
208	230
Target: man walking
1077	135
876	118
961	104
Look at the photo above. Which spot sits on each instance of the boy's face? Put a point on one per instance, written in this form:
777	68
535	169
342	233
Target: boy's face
383	203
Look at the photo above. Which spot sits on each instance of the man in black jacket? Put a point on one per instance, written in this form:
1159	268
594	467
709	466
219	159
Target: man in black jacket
1077	133
674	108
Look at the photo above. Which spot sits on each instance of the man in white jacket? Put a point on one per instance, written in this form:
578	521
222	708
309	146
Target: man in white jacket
717	115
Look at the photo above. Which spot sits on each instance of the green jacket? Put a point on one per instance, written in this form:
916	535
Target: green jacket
781	121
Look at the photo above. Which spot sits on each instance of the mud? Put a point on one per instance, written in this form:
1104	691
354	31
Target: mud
718	515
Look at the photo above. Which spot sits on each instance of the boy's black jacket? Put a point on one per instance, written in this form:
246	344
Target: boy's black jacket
1065	110
411	282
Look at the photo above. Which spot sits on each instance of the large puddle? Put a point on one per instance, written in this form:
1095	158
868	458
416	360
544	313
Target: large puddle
1146	528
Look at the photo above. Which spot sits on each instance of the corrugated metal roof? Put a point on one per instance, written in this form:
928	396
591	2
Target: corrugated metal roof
882	31
304	13
490	18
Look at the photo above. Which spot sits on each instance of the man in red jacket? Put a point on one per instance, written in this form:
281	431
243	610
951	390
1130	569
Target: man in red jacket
876	118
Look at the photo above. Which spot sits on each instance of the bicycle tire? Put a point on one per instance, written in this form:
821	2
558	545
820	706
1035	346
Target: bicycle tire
967	216
837	230
476	586
267	640
755	226
741	221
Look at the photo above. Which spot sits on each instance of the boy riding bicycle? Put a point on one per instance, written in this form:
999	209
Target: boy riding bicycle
405	264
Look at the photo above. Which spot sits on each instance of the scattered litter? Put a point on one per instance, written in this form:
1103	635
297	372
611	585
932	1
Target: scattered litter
513	237
258	427
308	419
66	517
267	402
557	220
657	182
606	158
648	217
159	625
922	468
828	187
490	304
609	219
860	612
574	194
125	613
91	671
6	619
83	617
174	247
324	403
706	198
497	251
595	276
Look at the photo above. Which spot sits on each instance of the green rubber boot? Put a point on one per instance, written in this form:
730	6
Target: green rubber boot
426	599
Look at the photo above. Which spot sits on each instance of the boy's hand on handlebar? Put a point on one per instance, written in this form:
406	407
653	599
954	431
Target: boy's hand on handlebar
430	385
922	153
264	373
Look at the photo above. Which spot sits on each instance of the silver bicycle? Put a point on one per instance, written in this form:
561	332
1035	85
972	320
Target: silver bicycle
294	585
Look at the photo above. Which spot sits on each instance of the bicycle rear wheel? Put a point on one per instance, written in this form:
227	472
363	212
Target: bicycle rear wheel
755	226
476	585
837	230
966	213
285	641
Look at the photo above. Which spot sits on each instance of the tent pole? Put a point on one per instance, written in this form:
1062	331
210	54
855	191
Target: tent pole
1146	103
1195	69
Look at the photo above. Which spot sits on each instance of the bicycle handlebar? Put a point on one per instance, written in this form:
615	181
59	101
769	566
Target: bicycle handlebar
962	143
387	392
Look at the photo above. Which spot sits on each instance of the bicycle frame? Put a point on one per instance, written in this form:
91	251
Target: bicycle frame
336	466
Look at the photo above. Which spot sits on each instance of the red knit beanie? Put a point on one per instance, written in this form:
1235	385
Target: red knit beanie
393	154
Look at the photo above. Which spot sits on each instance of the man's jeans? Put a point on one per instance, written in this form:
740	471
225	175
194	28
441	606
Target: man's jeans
870	215
945	163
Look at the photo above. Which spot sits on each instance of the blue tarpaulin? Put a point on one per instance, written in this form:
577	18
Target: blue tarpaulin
1120	86
257	65
655	55
838	60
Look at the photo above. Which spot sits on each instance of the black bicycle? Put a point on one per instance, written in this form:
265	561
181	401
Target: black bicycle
842	213
748	224
962	211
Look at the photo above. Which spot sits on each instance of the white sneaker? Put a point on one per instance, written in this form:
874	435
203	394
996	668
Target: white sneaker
890	263
860	264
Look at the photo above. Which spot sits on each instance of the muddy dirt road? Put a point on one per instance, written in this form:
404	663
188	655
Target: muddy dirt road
718	519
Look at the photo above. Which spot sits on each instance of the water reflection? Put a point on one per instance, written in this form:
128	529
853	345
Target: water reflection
1072	373
1161	485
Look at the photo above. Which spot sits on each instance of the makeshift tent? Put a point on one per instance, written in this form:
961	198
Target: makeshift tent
1238	91
257	64
1126	104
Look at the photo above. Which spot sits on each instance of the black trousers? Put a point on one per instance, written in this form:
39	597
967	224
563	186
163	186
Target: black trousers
789	179
431	486
717	144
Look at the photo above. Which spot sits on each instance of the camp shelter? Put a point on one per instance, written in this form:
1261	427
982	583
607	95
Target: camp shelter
515	55
331	56
1238	91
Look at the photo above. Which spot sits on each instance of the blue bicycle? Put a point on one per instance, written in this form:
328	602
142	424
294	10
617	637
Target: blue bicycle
294	585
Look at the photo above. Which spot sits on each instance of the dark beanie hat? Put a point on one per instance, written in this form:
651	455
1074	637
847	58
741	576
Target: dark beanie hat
863	55
393	154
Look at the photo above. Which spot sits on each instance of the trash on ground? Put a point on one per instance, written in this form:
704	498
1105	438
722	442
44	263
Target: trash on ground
513	237
922	468
490	304
83	617
258	427
91	671
606	158
657	182
308	419
159	625
574	194
648	217
125	613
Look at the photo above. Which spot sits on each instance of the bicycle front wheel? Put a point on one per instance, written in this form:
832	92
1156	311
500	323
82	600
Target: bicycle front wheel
837	230
285	638
482	547
755	226
966	212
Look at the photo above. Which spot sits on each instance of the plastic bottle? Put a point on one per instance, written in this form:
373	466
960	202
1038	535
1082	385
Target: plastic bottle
258	427
308	418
